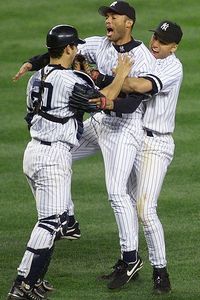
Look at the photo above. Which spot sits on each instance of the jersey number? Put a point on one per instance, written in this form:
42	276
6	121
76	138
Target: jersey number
36	97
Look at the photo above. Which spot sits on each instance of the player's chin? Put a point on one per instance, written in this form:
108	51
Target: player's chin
155	54
110	36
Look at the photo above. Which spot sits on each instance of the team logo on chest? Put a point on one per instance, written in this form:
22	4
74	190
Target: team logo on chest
121	49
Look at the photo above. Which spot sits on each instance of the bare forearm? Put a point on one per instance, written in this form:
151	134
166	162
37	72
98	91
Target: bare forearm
138	85
112	90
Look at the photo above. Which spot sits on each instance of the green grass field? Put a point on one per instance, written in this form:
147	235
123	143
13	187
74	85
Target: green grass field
75	265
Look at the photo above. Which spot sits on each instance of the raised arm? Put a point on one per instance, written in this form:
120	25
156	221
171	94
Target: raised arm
33	64
124	66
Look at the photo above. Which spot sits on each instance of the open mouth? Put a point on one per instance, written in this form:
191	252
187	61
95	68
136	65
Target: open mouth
109	31
154	52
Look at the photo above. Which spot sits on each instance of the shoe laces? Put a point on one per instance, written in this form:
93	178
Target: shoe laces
42	287
32	296
30	293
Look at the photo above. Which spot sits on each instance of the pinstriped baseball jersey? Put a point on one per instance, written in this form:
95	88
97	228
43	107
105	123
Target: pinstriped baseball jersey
101	51
58	87
104	54
160	111
118	138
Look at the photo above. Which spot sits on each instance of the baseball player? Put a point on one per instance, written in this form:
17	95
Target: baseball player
157	149
118	136
47	157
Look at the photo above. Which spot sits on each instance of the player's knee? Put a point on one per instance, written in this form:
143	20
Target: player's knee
116	195
62	225
146	214
118	202
51	227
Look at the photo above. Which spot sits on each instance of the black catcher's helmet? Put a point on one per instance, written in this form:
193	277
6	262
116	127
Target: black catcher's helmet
61	36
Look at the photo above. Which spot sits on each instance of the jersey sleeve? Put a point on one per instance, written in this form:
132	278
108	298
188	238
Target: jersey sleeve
169	75
30	88
165	76
89	49
28	97
144	62
39	61
129	104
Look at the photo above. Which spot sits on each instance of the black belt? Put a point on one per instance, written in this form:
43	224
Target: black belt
149	133
45	143
53	118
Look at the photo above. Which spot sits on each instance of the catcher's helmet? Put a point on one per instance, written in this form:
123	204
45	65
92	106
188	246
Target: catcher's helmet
62	35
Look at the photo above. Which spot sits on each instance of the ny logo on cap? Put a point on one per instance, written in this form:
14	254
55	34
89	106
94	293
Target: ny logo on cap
164	26
113	4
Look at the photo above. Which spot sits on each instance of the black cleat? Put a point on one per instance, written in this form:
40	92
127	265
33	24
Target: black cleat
161	281
21	291
110	276
73	232
123	273
42	287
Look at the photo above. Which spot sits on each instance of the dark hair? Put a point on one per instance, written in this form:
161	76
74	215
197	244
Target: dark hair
127	18
56	52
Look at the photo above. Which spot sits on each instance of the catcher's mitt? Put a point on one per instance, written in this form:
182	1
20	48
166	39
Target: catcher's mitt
79	100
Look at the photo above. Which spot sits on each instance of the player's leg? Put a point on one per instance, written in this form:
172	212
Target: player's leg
73	231
88	145
119	146
49	174
131	190
154	160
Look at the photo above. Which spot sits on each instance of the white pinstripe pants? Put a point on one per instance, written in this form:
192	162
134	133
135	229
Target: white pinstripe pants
151	166
120	139
48	170
88	144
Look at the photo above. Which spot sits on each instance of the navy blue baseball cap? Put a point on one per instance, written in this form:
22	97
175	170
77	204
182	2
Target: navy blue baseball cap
168	32
120	8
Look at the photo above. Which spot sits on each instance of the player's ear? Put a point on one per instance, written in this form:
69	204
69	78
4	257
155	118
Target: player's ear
129	23
174	48
68	49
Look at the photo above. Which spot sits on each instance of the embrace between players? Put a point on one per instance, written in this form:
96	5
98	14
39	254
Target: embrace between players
135	140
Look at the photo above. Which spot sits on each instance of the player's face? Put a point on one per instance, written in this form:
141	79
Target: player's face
118	28
159	49
73	51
